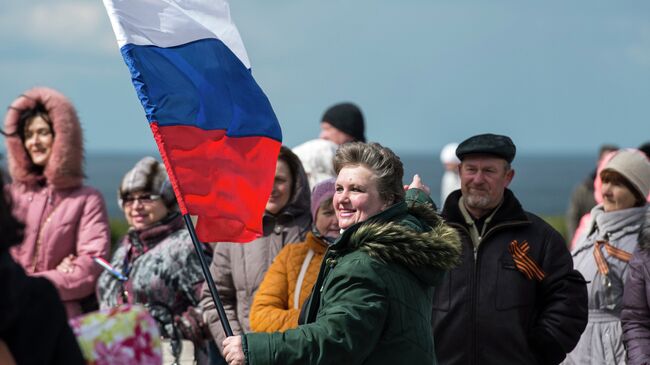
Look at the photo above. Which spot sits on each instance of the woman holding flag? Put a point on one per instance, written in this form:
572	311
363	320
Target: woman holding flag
372	299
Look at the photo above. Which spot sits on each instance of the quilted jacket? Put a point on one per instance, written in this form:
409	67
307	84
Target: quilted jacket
62	216
276	307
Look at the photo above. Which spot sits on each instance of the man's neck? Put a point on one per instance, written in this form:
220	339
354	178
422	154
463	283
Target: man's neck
480	213
477	213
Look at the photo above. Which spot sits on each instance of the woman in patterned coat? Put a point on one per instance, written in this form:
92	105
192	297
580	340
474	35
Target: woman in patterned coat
156	264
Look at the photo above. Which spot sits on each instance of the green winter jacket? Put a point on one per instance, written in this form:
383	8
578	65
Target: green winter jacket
371	303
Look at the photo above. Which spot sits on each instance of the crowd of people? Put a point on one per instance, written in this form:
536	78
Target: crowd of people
353	267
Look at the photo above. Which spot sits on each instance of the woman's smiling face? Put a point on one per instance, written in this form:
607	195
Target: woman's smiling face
357	197
143	209
282	185
38	140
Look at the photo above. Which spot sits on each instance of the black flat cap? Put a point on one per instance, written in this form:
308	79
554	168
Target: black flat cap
487	144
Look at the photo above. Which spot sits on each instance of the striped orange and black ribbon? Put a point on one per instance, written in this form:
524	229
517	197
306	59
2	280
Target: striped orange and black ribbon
524	262
615	252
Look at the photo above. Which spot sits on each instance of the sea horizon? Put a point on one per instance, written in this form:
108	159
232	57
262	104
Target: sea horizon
543	181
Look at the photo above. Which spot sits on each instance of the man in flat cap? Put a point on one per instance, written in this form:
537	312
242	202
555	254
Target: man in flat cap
515	298
343	123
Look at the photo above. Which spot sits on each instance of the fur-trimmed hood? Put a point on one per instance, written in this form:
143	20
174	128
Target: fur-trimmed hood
416	238
65	166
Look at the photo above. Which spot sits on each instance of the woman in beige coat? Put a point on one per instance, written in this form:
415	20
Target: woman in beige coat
238	269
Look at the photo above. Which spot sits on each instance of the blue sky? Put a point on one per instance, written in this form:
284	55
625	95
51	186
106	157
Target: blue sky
557	76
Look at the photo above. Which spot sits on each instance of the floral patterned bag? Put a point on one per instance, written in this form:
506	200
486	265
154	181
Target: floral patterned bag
121	335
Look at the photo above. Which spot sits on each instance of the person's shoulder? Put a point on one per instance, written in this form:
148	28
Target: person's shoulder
86	192
41	293
292	254
87	189
641	257
542	227
360	260
358	266
181	234
295	248
535	219
178	241
21	191
299	223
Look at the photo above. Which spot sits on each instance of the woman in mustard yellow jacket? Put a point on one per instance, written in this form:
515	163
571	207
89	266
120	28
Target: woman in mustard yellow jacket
289	280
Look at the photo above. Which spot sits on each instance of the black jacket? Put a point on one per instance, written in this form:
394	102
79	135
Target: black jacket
488	312
33	322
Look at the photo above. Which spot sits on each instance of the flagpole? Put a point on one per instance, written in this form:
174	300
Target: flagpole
208	278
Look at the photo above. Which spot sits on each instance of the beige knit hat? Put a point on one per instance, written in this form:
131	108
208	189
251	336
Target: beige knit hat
634	166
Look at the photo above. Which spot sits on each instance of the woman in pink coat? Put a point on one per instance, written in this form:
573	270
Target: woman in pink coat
62	216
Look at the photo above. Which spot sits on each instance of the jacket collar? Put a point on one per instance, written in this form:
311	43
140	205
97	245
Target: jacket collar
644	232
619	221
510	210
141	241
395	210
414	237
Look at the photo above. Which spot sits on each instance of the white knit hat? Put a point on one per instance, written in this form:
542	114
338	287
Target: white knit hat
448	153
317	157
634	166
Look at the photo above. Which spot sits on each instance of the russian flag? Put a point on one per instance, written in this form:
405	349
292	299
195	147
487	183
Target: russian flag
216	131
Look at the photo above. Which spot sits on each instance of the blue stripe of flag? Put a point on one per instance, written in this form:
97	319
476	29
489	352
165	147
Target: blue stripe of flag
201	84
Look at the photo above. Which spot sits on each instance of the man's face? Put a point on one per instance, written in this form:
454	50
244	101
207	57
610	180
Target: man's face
330	133
483	179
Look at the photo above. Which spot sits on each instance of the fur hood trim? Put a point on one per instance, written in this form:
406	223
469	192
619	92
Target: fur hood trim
437	247
64	168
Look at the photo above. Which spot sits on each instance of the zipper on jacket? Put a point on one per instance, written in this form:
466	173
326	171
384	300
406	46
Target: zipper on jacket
502	225
42	226
329	263
474	282
471	290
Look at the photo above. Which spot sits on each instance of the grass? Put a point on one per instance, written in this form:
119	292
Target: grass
557	221
119	227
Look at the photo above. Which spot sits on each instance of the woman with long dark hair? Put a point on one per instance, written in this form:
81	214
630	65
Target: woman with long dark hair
63	217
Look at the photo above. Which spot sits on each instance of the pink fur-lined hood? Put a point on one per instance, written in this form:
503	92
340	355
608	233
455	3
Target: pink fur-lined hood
65	166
